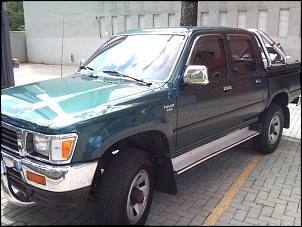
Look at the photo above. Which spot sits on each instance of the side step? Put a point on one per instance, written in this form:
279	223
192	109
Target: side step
189	159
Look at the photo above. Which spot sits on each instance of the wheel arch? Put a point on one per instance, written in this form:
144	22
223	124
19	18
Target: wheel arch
282	99
157	145
272	120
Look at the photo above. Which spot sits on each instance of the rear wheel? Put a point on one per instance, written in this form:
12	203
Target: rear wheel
272	128
126	189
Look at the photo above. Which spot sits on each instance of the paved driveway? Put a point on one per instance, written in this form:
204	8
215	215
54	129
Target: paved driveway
238	187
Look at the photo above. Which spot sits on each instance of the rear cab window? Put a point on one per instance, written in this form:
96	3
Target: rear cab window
242	54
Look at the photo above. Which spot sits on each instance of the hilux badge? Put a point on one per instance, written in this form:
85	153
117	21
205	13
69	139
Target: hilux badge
169	107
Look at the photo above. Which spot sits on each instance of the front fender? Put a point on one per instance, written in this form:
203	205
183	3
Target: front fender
97	135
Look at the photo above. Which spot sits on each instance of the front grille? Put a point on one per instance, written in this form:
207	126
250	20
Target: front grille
9	139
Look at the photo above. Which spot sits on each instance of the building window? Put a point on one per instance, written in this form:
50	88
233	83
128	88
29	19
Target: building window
156	21
283	22
262	20
127	22
114	25
102	27
204	19
242	19
222	19
141	21
171	19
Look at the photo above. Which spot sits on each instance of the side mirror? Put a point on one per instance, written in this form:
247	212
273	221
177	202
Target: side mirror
82	62
196	74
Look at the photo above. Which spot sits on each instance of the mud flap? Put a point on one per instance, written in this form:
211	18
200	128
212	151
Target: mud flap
286	115
164	175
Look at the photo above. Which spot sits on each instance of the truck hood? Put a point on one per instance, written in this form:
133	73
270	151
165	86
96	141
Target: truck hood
66	100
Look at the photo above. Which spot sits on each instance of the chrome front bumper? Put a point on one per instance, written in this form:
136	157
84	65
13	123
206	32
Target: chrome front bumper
59	179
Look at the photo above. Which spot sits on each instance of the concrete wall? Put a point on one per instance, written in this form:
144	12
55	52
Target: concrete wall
291	44
18	45
75	25
44	22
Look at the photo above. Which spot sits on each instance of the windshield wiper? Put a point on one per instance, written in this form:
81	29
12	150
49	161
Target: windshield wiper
90	70
124	75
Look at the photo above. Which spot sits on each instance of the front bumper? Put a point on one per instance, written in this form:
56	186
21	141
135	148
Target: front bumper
66	186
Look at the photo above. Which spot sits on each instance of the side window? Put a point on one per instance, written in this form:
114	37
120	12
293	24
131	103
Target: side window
242	54
208	50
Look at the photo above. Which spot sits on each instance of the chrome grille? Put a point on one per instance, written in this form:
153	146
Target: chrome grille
9	139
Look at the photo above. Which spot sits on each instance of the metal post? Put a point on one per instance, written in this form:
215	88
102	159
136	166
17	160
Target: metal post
7	74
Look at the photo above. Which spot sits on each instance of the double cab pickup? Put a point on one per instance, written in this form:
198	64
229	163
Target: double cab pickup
146	105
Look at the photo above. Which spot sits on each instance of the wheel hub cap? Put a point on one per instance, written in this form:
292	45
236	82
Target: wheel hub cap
137	196
274	130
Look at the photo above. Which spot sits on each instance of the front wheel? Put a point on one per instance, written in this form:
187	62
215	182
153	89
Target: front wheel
126	189
272	128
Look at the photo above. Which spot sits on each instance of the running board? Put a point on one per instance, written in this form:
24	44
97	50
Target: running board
190	159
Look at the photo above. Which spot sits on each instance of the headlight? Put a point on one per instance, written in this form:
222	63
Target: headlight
41	145
55	147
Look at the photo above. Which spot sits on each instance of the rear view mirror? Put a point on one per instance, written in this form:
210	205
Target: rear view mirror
196	74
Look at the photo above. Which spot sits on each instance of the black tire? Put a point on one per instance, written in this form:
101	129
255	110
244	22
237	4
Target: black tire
272	128
128	175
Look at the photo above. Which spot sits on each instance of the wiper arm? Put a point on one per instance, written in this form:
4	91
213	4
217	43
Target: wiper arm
124	75
90	70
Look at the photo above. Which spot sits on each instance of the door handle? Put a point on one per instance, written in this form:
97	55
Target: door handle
227	88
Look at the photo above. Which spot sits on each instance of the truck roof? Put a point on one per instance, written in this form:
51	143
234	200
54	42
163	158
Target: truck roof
181	30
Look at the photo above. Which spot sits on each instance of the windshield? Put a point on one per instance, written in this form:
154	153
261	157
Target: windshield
145	57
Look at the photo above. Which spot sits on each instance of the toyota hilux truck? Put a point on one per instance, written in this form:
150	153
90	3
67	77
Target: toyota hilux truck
146	105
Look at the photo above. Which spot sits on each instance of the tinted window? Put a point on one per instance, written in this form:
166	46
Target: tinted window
209	51
242	53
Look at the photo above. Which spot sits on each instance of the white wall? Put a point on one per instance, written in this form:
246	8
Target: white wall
291	44
18	45
44	23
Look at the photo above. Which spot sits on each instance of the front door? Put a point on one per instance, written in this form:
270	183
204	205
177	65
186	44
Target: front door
202	108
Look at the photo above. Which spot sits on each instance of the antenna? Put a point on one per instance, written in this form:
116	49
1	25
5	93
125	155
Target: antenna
62	48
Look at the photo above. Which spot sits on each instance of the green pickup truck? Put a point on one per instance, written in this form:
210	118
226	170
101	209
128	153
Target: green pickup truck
146	105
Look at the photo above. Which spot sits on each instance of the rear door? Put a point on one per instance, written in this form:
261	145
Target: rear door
248	79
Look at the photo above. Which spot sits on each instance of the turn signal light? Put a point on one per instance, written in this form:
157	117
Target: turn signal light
66	148
36	178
